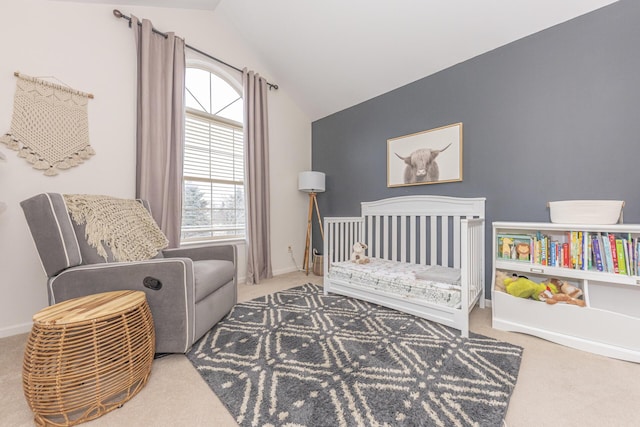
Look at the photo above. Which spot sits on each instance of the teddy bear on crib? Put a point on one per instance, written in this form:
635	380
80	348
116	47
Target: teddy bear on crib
357	255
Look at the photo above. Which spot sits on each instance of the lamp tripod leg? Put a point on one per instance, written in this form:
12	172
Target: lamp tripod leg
308	241
315	199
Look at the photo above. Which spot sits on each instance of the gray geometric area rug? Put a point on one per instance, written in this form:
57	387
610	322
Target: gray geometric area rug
300	358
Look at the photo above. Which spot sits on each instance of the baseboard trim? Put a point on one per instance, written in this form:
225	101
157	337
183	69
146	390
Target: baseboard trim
284	271
278	272
15	329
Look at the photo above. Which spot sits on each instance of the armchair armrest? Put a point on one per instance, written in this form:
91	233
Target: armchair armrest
204	252
171	297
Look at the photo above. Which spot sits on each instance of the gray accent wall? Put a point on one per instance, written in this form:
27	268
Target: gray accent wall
553	116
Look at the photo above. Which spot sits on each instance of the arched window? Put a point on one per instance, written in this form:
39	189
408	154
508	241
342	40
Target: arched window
213	203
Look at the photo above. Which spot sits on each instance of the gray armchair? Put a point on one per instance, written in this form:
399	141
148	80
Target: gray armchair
188	289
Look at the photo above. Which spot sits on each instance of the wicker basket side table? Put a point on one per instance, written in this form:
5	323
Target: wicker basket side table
87	356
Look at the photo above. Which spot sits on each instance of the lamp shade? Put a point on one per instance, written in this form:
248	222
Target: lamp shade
311	182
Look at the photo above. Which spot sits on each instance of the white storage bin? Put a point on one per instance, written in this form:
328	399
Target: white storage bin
597	212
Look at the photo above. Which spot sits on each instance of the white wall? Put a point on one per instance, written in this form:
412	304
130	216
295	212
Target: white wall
87	48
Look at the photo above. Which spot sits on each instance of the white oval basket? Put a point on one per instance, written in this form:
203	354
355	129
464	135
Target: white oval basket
597	212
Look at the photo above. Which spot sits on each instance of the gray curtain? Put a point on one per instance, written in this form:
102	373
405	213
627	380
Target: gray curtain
256	142
160	132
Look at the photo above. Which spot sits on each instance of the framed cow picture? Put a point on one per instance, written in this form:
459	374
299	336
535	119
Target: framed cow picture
429	157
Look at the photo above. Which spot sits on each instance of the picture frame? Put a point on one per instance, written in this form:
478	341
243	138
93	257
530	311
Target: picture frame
432	156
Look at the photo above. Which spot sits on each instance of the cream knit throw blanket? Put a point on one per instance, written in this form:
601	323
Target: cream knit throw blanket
123	225
49	127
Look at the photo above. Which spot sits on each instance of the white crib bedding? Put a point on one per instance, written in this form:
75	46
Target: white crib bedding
430	283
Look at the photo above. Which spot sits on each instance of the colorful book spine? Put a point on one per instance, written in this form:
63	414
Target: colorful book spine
586	251
632	255
627	256
553	260
597	254
614	253
580	244
637	251
566	256
606	248
633	262
622	263
575	250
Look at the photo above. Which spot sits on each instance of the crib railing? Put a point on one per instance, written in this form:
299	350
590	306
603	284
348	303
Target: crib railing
451	241
472	261
340	233
418	239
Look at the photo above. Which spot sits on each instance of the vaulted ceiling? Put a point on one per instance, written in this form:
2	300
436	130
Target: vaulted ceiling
333	54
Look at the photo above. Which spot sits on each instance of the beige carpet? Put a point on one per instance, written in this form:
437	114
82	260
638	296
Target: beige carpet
557	386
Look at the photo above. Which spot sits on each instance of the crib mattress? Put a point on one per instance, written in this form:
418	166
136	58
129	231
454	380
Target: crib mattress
429	283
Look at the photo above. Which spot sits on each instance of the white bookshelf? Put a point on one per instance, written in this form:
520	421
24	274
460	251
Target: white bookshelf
609	324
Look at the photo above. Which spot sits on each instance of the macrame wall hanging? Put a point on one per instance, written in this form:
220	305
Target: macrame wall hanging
50	127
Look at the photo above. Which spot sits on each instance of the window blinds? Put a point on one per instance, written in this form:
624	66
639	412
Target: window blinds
213	206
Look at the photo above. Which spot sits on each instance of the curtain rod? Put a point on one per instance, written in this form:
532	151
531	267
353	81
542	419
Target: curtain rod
119	14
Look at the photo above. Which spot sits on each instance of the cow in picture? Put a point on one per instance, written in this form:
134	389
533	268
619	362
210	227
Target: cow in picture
421	165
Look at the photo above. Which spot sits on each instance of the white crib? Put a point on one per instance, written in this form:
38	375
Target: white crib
427	230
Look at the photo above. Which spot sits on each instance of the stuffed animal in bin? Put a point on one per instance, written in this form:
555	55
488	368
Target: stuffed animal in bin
499	282
551	292
357	254
567	293
522	287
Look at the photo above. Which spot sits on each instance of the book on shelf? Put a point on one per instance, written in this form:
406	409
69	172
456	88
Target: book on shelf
597	254
515	247
586	251
627	243
573	244
627	254
614	253
606	248
579	255
631	256
637	252
622	261
553	258
537	250
608	252
566	256
618	254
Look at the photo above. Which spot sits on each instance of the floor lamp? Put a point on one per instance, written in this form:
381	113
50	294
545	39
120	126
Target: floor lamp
311	182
